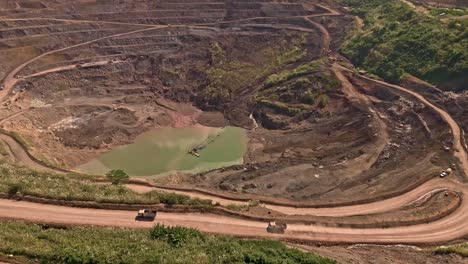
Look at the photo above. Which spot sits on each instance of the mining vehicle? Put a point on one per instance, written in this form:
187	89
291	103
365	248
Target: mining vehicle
146	215
446	173
276	228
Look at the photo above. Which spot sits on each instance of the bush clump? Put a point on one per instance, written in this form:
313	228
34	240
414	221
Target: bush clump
175	236
117	177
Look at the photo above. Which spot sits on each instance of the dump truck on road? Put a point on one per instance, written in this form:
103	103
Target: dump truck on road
276	228
146	215
446	173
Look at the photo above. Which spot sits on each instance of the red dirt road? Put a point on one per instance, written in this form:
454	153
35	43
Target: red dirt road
361	209
446	229
21	156
449	228
460	151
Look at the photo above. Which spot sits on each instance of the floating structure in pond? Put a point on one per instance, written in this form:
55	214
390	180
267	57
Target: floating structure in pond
194	152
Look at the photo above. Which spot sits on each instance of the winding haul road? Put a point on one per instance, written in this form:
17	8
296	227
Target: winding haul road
449	228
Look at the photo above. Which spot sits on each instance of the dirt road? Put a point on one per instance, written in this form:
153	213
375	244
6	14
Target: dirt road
353	95
460	151
10	80
20	155
448	228
71	67
360	209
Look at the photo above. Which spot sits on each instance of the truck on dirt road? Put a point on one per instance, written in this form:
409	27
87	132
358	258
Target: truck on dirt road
276	228
146	215
446	173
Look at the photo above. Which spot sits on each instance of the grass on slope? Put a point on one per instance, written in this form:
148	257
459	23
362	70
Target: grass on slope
396	39
448	12
230	71
461	249
295	90
304	69
160	245
17	181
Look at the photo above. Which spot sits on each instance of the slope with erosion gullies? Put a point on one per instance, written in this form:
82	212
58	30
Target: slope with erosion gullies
318	138
321	145
114	88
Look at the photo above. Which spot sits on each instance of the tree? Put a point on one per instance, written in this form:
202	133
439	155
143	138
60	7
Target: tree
117	176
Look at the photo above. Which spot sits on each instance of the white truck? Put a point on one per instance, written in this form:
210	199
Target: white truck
446	173
146	215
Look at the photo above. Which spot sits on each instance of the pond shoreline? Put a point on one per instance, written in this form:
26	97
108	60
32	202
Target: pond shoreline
163	151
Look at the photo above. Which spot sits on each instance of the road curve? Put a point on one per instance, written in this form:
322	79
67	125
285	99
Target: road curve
460	151
360	209
21	156
446	229
10	80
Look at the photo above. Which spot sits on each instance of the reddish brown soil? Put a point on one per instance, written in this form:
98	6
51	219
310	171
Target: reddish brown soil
370	254
94	80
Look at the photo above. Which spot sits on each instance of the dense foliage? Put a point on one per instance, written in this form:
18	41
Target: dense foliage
447	12
100	245
117	177
397	39
175	236
17	181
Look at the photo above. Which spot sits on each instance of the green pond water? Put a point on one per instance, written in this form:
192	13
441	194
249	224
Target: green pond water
165	150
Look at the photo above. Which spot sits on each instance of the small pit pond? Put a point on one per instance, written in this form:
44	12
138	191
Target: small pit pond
165	150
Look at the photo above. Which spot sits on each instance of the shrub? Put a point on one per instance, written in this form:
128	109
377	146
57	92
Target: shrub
117	177
175	236
15	189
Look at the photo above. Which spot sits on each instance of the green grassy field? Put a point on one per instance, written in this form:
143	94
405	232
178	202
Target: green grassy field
18	181
27	242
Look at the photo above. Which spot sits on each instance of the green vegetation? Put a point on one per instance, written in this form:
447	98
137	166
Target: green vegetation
117	177
293	91
19	181
397	39
302	70
280	107
461	249
226	79
444	12
175	236
232	70
160	245
174	73
243	207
